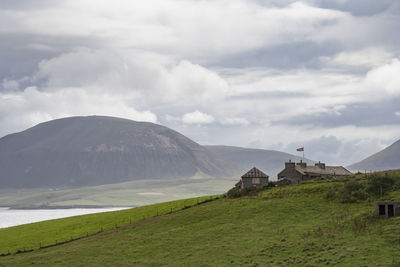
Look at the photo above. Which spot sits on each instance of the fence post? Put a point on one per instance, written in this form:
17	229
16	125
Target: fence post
130	220
40	245
87	234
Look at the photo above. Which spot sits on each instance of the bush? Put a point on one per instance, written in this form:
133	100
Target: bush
353	191
233	193
332	193
380	185
248	191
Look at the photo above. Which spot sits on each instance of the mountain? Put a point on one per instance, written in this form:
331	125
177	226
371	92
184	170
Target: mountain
387	159
94	150
269	161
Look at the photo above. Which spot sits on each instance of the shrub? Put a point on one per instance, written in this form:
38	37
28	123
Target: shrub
248	191
332	193
233	193
380	185
353	191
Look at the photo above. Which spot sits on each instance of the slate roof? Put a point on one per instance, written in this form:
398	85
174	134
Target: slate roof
329	170
254	173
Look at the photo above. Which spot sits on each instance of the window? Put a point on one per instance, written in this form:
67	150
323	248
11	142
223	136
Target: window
382	210
390	211
255	181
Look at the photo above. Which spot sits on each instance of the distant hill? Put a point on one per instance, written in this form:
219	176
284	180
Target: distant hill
387	159
80	151
269	161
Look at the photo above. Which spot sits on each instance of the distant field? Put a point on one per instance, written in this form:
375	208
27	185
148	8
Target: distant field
135	193
294	225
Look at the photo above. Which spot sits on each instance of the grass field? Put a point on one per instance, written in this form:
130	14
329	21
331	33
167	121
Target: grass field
35	235
294	225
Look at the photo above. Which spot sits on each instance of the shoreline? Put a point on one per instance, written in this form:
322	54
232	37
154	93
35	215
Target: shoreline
45	207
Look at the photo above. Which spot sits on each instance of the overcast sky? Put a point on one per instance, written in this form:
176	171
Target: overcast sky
274	74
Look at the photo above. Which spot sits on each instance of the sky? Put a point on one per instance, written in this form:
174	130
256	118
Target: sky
270	74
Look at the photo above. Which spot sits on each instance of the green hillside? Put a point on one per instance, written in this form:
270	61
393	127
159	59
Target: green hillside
300	225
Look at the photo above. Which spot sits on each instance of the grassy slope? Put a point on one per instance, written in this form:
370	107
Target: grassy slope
135	193
34	235
293	225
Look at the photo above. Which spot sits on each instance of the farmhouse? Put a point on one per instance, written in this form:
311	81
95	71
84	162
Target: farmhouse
253	177
299	172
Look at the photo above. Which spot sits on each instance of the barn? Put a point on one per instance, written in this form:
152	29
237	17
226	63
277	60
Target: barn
253	177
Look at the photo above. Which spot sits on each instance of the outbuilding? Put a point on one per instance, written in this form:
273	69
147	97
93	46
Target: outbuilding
387	209
253	177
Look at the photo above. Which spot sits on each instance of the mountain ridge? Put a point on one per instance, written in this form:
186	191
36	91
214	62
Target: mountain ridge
386	159
93	150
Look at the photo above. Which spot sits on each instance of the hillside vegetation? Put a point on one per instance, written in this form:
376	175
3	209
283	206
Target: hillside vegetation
302	225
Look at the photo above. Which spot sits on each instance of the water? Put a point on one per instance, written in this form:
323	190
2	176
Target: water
10	217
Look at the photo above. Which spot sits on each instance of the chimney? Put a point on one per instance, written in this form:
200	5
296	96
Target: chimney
302	164
320	165
289	164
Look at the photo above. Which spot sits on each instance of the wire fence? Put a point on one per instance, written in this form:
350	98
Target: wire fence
157	212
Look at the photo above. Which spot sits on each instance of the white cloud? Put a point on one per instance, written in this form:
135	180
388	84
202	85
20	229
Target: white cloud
197	117
397	113
365	58
33	106
385	79
196	29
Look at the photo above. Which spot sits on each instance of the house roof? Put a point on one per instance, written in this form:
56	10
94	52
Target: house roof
254	173
329	170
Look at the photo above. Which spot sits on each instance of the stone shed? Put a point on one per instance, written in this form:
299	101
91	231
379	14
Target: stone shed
386	209
253	177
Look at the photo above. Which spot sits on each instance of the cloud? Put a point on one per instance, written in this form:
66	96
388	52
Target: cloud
385	79
197	117
235	121
266	73
364	58
33	106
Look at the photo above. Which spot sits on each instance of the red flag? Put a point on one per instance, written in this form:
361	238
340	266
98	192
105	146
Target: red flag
300	149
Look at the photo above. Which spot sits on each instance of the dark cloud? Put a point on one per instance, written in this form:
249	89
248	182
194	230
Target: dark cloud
25	4
359	7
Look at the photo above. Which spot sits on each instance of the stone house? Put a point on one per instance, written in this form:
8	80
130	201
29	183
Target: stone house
253	177
299	172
